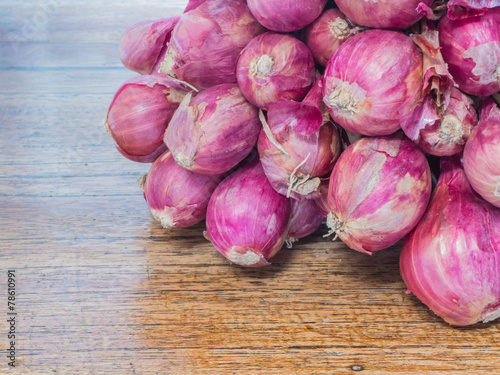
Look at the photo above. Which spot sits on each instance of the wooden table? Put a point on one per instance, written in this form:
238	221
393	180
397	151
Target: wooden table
102	289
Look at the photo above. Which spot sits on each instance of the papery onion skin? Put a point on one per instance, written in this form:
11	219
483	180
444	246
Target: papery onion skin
143	45
176	197
482	154
458	9
325	35
447	133
471	47
206	43
213	131
305	220
274	66
369	94
382	14
286	15
193	4
378	191
140	113
247	221
309	146
451	260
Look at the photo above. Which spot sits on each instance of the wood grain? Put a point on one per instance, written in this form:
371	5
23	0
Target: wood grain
102	289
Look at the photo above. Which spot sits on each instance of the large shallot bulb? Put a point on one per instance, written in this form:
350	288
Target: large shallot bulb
482	154
176	197
373	79
379	190
213	131
471	47
451	260
247	221
139	114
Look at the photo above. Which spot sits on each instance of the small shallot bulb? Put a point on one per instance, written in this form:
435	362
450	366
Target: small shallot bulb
207	40
144	44
139	114
451	260
482	154
213	131
286	15
247	221
379	190
471	47
298	146
274	66
382	14
458	9
305	220
176	197
325	35
442	123
368	94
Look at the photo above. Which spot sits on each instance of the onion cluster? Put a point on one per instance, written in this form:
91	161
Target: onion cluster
267	118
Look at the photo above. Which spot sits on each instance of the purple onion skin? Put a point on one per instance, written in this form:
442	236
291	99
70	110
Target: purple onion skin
369	94
139	114
379	190
382	14
286	15
214	131
274	66
471	47
144	44
482	154
247	221
176	197
458	9
451	260
305	220
325	35
193	4
206	42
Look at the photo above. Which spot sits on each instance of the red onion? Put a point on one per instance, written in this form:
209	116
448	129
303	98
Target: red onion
482	154
177	197
143	45
274	66
286	15
305	220
442	123
247	221
468	8
139	114
207	41
322	200
471	47
451	260
325	35
379	190
297	146
368	94
213	131
192	4
382	14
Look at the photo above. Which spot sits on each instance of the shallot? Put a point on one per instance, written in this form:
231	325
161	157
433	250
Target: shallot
176	197
247	221
274	66
286	15
139	114
372	80
482	154
207	41
379	189
305	219
213	131
471	47
451	260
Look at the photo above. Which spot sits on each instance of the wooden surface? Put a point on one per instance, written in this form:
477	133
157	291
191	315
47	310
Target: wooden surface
102	289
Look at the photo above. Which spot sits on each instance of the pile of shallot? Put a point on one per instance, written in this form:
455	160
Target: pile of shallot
267	118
